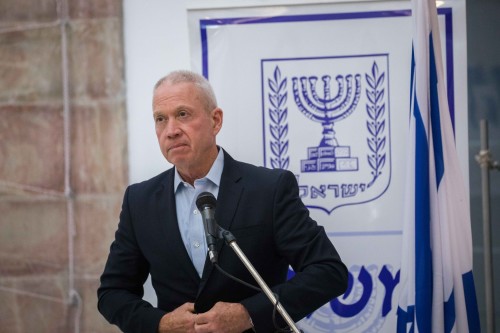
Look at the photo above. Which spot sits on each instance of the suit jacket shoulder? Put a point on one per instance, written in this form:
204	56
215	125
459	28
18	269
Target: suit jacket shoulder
251	175
153	184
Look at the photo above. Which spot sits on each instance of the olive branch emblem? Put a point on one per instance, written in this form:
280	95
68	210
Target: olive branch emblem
278	114
376	123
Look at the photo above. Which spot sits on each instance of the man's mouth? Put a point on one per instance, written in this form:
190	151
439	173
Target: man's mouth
176	146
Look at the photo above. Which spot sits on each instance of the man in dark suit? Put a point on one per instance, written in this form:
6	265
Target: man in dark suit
161	232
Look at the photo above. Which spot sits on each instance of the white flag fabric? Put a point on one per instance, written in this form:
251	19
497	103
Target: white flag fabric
437	287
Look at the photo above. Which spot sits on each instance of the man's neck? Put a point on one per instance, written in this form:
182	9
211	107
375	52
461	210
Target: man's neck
189	176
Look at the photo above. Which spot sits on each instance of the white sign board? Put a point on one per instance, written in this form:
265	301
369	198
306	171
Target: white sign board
323	91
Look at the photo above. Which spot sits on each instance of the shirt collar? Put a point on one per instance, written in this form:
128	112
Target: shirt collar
214	174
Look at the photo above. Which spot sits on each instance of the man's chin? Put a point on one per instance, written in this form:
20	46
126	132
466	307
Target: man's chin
176	158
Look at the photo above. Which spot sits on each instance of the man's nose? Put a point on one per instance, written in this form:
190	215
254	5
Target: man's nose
172	129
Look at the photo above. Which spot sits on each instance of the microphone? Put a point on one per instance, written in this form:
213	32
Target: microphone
206	203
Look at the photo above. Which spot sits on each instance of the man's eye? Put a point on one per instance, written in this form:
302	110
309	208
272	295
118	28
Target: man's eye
182	114
159	119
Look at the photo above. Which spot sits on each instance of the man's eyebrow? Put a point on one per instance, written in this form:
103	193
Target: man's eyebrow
183	107
158	113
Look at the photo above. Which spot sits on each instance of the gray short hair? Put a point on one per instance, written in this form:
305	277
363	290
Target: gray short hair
185	76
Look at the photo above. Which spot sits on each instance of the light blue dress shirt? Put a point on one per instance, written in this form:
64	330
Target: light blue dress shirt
188	216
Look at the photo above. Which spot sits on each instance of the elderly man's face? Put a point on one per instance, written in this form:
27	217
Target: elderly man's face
185	130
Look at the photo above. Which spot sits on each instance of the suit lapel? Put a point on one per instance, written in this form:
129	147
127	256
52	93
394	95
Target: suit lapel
229	193
167	217
230	190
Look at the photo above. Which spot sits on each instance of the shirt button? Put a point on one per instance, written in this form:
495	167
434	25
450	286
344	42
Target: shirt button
195	212
196	244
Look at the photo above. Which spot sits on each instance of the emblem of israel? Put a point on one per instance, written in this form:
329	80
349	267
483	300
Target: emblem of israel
327	120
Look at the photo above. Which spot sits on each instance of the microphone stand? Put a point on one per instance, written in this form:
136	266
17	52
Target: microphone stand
231	241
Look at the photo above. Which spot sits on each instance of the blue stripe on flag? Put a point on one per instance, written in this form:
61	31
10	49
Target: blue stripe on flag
423	255
412	82
449	313
435	120
405	317
471	302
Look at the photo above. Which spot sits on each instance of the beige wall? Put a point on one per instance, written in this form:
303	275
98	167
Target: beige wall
63	161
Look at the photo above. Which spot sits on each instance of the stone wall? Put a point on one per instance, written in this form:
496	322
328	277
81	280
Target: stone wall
63	159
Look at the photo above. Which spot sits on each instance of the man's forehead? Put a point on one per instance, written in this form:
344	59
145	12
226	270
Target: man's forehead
162	108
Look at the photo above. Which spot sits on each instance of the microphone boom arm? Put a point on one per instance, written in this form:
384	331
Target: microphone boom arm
231	241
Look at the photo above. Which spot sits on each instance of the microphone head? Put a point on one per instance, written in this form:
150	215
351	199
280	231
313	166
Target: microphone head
205	200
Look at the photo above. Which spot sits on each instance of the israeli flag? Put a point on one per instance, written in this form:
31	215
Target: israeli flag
437	287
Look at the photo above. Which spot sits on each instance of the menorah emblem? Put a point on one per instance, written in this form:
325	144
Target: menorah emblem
328	155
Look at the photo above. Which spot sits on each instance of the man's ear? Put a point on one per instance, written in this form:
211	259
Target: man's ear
217	117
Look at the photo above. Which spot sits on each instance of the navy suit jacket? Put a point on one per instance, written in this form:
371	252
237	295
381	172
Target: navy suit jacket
262	209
